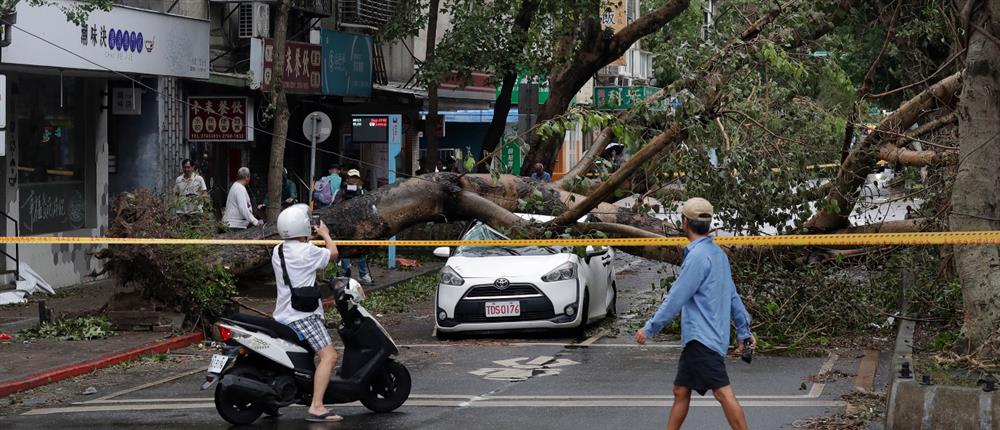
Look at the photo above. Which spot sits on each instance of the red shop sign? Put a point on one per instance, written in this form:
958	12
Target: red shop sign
303	71
219	119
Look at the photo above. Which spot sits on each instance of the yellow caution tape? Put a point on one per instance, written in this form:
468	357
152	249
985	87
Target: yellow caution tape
874	239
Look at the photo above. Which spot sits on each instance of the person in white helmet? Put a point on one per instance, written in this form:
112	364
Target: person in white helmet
299	304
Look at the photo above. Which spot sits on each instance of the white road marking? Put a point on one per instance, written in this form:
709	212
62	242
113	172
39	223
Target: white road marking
149	384
514	371
817	388
474	402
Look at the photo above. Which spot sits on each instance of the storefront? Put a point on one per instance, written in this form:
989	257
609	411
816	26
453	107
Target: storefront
61	82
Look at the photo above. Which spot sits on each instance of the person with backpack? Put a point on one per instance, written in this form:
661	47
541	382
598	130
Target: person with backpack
323	194
353	188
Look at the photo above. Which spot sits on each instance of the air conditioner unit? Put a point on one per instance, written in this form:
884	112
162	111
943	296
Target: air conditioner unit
253	20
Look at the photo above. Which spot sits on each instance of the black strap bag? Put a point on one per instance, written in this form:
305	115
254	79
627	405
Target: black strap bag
304	299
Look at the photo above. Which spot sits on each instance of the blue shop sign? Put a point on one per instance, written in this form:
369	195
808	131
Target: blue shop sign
347	64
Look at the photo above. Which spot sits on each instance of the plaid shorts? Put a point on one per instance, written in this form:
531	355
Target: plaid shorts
314	330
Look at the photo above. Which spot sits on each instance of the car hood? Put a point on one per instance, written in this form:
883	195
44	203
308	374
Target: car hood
507	266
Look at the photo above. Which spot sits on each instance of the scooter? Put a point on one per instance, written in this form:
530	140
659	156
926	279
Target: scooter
265	366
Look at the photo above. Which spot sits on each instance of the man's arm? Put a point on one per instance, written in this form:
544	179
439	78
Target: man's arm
693	272
204	188
740	316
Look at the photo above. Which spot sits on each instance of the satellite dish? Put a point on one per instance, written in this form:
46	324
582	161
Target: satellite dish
322	124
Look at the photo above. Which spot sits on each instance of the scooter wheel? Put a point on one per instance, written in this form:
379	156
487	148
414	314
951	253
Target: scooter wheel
235	410
389	389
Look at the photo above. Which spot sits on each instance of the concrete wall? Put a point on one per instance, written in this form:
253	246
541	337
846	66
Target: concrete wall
927	407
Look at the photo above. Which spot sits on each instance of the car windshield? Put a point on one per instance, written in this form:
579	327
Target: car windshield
483	232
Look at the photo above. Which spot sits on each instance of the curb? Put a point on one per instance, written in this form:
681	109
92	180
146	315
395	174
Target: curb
76	369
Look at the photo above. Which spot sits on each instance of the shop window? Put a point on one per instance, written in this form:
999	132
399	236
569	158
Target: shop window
51	123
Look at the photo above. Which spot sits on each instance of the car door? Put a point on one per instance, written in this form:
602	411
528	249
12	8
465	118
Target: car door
598	261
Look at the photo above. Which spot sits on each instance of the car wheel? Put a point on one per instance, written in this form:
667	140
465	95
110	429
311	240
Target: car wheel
613	303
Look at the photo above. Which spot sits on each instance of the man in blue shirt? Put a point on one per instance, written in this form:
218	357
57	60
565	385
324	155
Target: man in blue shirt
706	296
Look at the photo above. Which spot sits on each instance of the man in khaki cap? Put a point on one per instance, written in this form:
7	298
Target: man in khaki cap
705	292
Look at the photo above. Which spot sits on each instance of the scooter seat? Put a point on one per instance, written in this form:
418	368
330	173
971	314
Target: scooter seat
270	327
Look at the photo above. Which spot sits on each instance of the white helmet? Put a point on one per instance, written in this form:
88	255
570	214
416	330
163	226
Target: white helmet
294	222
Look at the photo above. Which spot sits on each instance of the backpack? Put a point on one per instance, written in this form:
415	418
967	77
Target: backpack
323	194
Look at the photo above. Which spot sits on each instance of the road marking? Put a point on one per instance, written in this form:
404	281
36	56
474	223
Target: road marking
473	402
514	370
149	384
818	387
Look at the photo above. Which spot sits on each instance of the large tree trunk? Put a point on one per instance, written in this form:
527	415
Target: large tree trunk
275	177
975	198
522	22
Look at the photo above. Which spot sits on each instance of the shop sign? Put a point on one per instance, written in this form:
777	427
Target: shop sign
51	206
614	17
621	98
126	101
220	119
303	70
122	39
370	128
347	64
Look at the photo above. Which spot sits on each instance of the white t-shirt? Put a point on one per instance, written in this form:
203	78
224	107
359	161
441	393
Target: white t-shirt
238	212
188	191
303	260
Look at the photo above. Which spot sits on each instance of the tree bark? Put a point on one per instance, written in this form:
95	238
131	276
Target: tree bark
566	81
275	175
908	157
837	206
522	22
430	126
975	204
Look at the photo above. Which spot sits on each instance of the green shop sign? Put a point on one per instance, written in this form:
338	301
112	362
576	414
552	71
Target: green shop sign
621	98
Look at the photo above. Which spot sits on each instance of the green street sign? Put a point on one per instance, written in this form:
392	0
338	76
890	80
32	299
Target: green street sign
511	157
820	54
621	98
543	90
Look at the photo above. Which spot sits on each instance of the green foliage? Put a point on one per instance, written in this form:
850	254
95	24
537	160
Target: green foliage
77	13
85	328
398	298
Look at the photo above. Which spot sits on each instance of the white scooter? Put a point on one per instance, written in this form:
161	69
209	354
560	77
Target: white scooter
264	366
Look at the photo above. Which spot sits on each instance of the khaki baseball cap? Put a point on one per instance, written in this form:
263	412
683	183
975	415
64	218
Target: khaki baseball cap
353	172
697	208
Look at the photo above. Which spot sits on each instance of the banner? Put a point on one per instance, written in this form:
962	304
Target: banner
614	17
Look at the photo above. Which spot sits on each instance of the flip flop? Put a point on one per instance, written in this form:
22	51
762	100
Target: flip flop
328	417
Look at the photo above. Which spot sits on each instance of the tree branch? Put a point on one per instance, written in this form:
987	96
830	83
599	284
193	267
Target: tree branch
647	24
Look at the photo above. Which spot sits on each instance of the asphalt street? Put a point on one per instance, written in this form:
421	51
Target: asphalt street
558	382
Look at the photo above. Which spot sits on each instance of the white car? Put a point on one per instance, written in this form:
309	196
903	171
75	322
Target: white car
489	289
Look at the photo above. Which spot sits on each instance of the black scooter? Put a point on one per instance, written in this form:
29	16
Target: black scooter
264	366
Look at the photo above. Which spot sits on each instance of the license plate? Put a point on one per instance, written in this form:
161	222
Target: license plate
218	363
503	309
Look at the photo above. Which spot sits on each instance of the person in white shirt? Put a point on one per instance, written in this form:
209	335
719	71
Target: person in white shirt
239	211
301	262
190	191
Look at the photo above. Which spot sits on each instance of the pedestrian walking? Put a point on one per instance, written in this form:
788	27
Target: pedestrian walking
239	211
539	174
353	187
706	296
190	191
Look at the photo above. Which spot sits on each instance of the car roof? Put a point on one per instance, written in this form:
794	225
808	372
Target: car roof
544	218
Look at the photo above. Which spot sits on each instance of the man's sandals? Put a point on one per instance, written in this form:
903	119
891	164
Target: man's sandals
328	417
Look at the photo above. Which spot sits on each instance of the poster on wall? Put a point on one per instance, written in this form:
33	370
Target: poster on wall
220	119
122	39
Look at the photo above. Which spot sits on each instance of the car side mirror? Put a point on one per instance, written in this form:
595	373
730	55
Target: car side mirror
442	252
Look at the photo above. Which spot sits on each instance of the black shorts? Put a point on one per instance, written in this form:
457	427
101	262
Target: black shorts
701	368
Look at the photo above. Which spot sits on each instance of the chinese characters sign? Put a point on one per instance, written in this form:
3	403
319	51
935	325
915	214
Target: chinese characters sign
303	67
613	16
219	119
121	39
